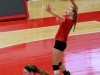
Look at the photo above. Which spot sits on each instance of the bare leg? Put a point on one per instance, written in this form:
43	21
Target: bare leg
56	57
62	67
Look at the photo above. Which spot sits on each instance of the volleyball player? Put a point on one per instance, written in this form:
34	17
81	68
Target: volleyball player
33	69
68	22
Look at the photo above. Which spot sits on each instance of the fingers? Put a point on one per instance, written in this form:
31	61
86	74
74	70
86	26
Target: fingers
48	6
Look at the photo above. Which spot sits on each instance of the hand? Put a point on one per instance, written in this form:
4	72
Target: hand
71	0
48	8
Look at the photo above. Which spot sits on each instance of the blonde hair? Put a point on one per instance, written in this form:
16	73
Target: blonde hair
74	17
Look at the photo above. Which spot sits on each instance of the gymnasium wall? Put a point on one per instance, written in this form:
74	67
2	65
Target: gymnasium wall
13	9
60	7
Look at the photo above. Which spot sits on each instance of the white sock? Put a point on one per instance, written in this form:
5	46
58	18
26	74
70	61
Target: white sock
56	72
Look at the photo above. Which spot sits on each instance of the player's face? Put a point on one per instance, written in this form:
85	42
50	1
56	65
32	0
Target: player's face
69	11
25	72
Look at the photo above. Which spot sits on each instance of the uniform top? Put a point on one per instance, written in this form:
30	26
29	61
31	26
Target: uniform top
64	30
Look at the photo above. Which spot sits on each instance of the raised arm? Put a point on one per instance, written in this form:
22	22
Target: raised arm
74	4
48	9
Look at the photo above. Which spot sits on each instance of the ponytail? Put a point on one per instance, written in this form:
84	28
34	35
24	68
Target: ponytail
75	20
74	17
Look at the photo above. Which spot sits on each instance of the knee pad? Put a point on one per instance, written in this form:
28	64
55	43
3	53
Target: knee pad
55	67
60	63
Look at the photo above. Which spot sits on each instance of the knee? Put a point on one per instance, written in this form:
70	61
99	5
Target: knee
56	69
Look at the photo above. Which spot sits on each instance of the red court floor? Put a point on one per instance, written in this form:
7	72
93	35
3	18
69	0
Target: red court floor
81	56
43	22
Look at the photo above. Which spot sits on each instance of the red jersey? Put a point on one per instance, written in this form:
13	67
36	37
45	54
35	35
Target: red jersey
64	30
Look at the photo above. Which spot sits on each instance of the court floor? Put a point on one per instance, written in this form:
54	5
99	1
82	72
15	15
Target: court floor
34	46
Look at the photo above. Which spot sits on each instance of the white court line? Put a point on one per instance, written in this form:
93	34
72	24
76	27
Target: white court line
45	38
45	27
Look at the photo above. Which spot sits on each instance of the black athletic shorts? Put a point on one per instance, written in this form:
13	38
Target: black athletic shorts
60	45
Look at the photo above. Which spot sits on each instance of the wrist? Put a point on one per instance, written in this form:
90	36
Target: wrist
50	12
